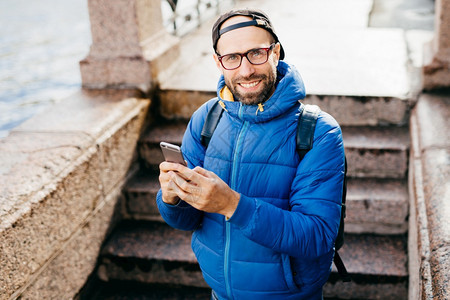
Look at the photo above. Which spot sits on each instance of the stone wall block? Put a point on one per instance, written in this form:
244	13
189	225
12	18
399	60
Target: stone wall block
114	145
130	46
57	170
436	70
121	72
77	258
114	28
47	219
429	175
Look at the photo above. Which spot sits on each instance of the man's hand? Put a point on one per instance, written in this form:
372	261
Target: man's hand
169	196
202	189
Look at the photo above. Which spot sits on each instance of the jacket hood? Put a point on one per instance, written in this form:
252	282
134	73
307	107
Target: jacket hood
290	89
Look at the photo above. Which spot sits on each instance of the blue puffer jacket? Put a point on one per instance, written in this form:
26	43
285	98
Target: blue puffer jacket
279	242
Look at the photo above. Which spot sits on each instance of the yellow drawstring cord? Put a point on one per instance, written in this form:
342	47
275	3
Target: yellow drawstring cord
223	105
260	108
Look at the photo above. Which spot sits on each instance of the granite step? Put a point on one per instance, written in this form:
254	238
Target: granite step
380	152
363	82
153	253
347	110
163	131
150	252
373	205
119	290
378	206
377	265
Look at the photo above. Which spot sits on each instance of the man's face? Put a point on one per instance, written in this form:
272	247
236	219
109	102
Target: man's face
250	84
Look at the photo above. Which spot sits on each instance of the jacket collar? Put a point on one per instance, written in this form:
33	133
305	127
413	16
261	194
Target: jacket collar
290	89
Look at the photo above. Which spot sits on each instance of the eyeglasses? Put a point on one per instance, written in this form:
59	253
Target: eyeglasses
257	56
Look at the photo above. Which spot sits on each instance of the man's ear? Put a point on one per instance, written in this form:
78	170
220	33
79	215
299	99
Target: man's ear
218	64
276	50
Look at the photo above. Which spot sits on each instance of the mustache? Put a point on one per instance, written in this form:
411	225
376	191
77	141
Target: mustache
252	77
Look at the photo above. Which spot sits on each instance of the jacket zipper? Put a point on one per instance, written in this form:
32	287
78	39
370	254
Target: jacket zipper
233	186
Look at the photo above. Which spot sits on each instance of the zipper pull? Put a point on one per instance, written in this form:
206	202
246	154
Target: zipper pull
260	108
222	105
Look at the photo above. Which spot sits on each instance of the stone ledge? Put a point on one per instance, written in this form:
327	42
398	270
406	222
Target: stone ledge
56	169
430	225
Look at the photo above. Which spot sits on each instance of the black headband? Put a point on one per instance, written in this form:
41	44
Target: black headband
260	19
256	23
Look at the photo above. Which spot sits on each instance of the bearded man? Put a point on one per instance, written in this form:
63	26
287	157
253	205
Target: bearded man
264	221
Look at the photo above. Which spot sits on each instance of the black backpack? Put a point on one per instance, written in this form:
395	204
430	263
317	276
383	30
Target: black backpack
307	119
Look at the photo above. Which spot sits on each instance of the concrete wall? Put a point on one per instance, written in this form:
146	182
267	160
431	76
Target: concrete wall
61	173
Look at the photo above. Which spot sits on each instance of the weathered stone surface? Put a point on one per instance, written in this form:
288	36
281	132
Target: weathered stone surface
46	217
418	237
140	194
376	152
363	111
151	253
433	113
129	255
436	72
130	45
430	172
130	291
373	205
347	110
376	206
149	149
56	170
369	291
371	152
365	256
70	268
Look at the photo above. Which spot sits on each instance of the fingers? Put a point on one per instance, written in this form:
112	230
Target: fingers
184	189
203	172
166	166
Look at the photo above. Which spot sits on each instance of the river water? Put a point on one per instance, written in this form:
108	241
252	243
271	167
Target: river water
41	44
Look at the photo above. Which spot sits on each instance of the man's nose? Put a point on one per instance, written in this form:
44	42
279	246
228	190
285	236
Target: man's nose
246	67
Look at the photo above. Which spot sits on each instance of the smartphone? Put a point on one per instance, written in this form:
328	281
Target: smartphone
172	153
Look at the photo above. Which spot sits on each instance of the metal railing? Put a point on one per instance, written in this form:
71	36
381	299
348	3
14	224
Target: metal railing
182	16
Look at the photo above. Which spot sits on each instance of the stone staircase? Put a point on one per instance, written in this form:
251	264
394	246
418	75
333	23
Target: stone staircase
144	250
144	258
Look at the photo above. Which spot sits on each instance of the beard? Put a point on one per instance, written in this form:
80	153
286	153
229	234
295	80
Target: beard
268	86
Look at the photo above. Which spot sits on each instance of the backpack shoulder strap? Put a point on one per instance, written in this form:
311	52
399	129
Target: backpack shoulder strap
307	120
308	115
211	121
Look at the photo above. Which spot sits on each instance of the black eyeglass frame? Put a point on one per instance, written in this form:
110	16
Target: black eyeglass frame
242	55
